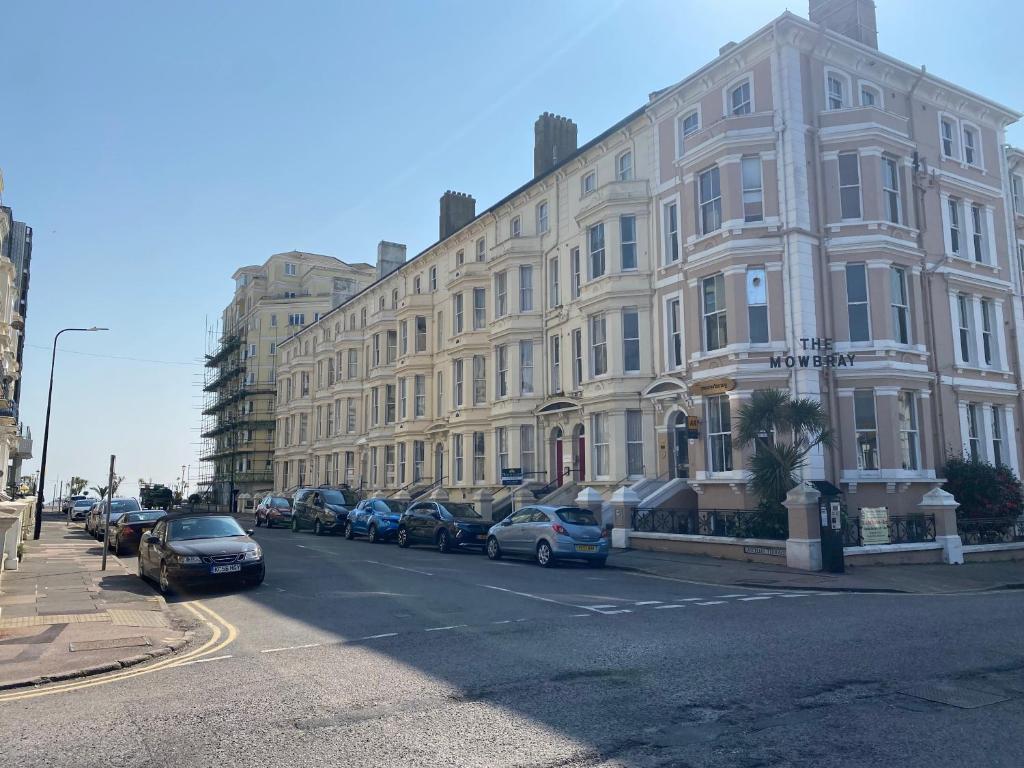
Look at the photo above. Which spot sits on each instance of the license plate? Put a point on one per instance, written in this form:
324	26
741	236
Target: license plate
481	535
586	548
235	568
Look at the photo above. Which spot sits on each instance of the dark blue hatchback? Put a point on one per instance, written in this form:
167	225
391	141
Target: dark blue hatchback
376	519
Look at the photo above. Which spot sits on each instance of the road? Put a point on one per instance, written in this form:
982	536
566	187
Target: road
354	654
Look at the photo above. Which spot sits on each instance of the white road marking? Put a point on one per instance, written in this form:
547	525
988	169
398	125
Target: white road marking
203	661
302	546
400	568
690	599
378	637
712	602
504	621
792	595
580	615
648	602
612	613
532	597
291	648
439	629
663	607
748	599
598	607
728	596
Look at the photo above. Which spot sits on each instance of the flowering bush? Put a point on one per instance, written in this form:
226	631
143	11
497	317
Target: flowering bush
983	490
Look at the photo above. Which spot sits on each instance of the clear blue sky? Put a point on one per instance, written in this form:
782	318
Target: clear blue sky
155	147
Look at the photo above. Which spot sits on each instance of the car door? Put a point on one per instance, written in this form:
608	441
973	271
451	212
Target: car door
424	520
512	537
301	511
359	517
538	528
149	553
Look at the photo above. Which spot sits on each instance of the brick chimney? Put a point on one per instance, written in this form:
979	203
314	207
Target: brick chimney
457	210
853	18
554	139
390	256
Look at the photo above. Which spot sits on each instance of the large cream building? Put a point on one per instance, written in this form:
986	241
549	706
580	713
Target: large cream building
803	213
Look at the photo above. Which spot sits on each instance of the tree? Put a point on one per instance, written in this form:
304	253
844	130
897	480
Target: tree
983	490
76	485
783	431
101	490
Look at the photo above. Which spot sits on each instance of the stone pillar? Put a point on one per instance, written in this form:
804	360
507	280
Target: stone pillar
10	535
943	505
402	496
589	498
803	547
485	504
439	494
624	501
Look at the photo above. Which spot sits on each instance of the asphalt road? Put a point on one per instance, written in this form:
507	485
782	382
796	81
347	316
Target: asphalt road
354	654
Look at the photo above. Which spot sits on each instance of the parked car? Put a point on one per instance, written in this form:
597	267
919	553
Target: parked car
118	507
131	527
376	519
188	549
80	508
550	534
446	525
322	510
70	501
274	509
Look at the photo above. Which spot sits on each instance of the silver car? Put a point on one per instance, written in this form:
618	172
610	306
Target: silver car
550	534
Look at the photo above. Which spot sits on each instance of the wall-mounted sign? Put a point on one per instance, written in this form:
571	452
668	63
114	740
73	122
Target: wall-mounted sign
512	476
874	525
692	427
717	387
813	353
770	551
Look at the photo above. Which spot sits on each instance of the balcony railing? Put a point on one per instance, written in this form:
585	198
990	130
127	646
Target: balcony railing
728	523
991	530
224	376
908	529
8	409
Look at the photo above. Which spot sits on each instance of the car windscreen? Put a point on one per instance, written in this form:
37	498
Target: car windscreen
343	498
576	516
462	510
84	504
280	503
394	507
142	517
189	528
120	506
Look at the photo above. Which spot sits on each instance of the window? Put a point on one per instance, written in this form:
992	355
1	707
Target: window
401	463
997	435
556	364
542	217
719	433
330	371
588	183
947	137
421	333
599	423
671	223
417	284
757	305
460	257
419	395
675	334
402	398
481	249
577	283
501	438
866	428
836	92
753	194
500	294
525	367
977	227
440	394
479	379
710	201
525	288
376	349
554	293
1017	188
403	337
970	146
439	331
273	348
627	235
392	346
954	225
908	430
362	317
624	170
685	125
353	363
457	313
527	450
479	308
457	375
595	247
501	382
987	324
900	305
715	329
598	345
389	465
849	185
433	280
375	408
457	451
869	96
303	427
891	189
857	302
273	318
418	455
634	443
515	226
389	403
289	269
350	415
739	99
630	340
394	298
577	355
973	435
479	458
963	304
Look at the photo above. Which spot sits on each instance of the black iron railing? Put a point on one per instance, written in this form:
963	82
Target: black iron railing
728	523
908	529
991	530
544	490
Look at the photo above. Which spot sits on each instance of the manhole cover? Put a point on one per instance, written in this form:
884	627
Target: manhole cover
116	642
955	695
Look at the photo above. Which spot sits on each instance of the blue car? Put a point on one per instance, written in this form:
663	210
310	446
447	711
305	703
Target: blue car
376	519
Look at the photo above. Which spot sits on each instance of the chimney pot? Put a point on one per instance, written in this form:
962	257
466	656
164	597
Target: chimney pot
457	210
554	140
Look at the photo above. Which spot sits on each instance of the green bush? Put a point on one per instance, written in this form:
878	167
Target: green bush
983	490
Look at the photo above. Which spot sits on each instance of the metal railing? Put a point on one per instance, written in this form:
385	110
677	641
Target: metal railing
906	529
727	523
544	490
991	530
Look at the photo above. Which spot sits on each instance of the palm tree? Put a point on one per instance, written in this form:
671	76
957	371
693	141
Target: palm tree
784	431
77	484
99	490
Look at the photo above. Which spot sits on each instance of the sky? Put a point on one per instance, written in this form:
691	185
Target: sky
156	147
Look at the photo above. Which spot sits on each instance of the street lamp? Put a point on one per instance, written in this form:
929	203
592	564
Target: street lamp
46	432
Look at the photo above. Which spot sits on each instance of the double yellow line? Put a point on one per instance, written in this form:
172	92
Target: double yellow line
223	633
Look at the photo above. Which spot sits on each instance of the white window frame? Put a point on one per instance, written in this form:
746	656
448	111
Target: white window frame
849	185
978	161
479	309
554	287
682	133
624	166
526	367
719	435
457	454
845	90
955	225
716	314
630	343
670	233
1017	192
500	294
556	362
757	273
597	256
458	318
876	93
900	309
588	183
526	288
601	452
953	138
989	346
577	274
515	227
891	194
501	369
542	217
865	302
750	193
964	319
481	249
979	237
674	333
419	405
290	269
597	326
627	246
713	203
869	433
746	107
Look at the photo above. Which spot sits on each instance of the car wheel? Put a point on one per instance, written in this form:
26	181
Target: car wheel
493	549
403	537
141	569
371	535
349	533
165	580
295	525
444	544
599	563
317	528
545	559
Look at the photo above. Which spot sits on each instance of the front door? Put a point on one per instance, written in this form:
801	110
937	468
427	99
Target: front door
438	462
581	459
559	457
681	453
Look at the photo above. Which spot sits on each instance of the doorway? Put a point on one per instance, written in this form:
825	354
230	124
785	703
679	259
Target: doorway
679	462
579	443
556	456
438	461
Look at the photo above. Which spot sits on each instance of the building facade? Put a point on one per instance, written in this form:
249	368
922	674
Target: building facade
804	213
15	258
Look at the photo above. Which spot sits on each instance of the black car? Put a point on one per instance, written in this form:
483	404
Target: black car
191	549
129	529
322	510
447	525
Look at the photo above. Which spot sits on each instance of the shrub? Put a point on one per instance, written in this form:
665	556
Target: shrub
983	490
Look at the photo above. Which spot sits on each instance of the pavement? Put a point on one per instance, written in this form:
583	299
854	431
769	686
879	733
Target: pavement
365	655
61	617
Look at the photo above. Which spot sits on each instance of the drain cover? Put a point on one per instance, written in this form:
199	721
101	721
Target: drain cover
955	695
116	642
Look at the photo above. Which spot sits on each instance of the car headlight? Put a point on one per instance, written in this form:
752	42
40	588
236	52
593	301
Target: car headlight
254	554
189	559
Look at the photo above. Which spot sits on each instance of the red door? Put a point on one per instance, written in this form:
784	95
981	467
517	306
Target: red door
581	466
558	461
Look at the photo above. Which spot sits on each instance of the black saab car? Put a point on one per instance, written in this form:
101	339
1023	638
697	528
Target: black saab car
446	525
322	510
190	549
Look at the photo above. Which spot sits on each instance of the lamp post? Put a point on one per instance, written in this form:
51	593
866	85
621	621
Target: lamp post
46	432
